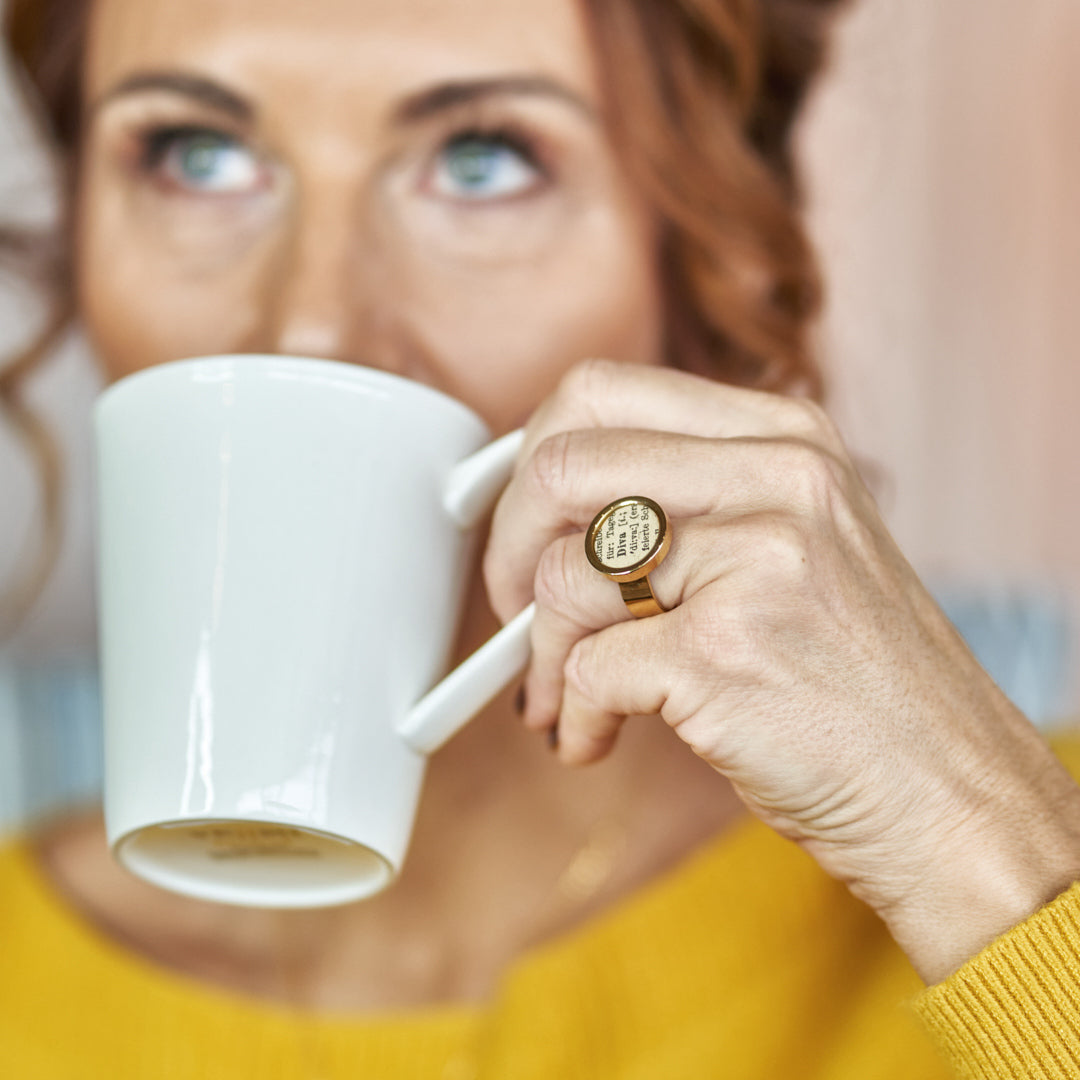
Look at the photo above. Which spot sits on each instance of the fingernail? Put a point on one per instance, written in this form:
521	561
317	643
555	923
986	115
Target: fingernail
519	701
553	737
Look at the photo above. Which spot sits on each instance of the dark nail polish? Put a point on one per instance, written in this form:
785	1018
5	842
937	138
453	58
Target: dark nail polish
553	737
519	701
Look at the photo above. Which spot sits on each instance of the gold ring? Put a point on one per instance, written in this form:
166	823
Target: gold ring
626	541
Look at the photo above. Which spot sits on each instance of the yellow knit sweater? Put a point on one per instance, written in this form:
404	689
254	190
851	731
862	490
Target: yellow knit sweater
745	962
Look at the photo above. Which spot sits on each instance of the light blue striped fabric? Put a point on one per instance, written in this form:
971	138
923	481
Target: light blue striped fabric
1024	639
50	738
50	716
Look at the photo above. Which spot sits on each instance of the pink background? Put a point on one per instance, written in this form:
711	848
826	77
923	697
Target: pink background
943	164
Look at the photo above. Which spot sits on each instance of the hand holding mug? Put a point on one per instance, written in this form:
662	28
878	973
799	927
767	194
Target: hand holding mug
799	653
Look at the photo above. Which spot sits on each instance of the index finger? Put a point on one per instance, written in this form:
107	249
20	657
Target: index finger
606	393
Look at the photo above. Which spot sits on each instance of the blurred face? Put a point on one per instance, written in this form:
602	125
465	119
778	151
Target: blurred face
422	186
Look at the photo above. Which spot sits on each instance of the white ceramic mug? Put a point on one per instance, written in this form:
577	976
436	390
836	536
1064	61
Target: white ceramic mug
283	552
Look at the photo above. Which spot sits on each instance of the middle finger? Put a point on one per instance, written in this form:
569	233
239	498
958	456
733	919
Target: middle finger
574	474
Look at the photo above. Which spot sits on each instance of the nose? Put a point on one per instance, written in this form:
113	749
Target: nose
334	288
313	302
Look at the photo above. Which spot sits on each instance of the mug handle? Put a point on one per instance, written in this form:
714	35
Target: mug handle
473	485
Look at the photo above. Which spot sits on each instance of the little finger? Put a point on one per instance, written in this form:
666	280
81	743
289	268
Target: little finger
573	600
618	672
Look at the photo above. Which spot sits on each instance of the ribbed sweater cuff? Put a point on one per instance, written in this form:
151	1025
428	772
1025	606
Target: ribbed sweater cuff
1014	1009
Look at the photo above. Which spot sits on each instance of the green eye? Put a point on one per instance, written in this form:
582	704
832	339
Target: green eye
483	167
204	161
201	158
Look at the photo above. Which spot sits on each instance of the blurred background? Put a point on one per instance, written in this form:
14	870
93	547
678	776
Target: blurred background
943	178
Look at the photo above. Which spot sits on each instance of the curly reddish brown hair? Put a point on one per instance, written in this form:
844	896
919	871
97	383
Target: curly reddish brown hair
701	99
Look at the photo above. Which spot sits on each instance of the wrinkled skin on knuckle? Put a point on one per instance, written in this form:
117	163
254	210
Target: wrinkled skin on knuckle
551	469
715	645
715	674
837	517
698	555
816	483
746	629
576	669
552	581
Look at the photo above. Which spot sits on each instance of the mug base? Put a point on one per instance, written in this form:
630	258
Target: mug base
253	863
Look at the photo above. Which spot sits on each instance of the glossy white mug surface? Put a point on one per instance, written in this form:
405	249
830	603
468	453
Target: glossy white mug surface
283	550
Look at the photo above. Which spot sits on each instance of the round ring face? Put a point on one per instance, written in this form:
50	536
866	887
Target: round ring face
627	536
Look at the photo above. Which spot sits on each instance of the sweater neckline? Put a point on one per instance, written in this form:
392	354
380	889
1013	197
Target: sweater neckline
730	860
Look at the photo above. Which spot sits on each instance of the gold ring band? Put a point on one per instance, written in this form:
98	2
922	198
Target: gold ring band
638	597
625	542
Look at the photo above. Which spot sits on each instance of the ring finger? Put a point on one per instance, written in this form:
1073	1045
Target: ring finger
573	600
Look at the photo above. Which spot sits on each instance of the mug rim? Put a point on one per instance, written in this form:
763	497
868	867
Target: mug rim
302	365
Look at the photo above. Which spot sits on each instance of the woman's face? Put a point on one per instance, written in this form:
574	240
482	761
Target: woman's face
416	185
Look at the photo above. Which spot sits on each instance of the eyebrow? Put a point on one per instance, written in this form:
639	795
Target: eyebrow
414	109
450	95
198	88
